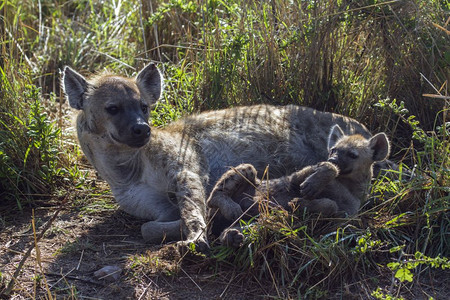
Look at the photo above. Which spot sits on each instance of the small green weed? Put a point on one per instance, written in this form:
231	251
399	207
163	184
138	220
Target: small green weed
403	268
378	294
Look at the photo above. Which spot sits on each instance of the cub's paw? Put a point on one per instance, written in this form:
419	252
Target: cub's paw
247	171
235	178
232	237
232	211
226	206
310	188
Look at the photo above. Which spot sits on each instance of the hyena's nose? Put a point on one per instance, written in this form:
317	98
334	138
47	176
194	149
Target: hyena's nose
333	160
140	130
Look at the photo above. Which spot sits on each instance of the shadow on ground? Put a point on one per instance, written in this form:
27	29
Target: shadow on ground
83	239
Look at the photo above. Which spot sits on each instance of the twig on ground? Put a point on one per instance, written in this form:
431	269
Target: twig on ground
47	226
146	289
81	258
228	285
62	277
73	278
191	279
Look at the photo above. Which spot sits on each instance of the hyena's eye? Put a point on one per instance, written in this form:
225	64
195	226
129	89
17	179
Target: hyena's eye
112	110
144	108
332	150
352	155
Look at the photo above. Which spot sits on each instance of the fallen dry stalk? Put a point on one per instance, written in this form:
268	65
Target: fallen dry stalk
38	257
9	288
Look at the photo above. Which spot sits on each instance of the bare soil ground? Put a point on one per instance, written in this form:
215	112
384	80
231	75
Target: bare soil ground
84	238
90	232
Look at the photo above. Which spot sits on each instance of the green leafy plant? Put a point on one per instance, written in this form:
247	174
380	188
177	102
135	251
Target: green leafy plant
378	294
403	268
29	150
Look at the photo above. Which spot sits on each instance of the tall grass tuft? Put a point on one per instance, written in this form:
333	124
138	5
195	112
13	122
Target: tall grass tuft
29	144
337	55
32	165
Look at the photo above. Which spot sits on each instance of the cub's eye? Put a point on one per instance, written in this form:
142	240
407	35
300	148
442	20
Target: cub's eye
332	150
144	108
352	155
112	110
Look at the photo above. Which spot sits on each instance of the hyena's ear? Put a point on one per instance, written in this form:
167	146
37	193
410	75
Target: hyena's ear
335	134
74	86
150	83
379	143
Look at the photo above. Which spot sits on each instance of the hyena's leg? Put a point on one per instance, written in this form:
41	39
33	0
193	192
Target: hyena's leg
155	232
314	183
324	206
347	203
229	185
190	195
297	178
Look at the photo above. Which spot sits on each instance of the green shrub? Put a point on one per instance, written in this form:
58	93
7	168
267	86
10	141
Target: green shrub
29	150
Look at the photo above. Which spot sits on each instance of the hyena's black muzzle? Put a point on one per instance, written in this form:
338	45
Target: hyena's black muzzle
133	130
140	135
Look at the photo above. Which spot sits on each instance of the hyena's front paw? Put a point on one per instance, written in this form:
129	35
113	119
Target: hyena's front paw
231	237
310	188
201	246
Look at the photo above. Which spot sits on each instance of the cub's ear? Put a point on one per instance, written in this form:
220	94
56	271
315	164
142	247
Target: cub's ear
150	83
335	134
379	143
74	86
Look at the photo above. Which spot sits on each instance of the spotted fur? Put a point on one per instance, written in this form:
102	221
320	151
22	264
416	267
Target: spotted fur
164	175
334	187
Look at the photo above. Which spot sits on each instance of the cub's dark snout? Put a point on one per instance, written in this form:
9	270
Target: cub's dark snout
333	159
344	166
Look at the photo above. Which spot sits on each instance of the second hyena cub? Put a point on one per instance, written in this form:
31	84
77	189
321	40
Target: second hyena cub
334	187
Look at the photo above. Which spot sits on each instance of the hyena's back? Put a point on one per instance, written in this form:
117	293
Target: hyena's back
286	138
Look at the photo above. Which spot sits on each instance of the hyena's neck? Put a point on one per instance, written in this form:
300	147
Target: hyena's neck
117	165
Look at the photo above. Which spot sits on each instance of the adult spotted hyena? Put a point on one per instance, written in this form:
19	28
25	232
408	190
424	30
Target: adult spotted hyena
336	187
164	174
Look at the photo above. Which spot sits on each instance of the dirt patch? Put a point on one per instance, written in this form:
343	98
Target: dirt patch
90	232
84	239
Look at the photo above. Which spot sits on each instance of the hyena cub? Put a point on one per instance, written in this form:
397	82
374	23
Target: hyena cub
334	187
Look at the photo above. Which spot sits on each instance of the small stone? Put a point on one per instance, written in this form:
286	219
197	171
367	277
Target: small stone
108	273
